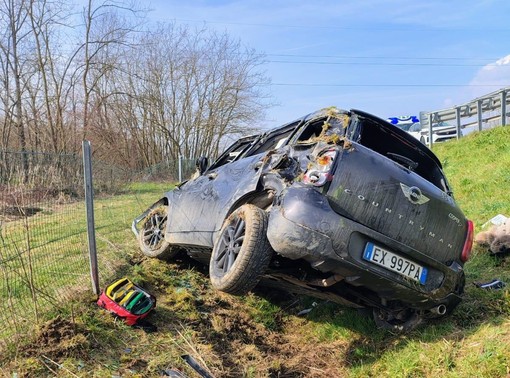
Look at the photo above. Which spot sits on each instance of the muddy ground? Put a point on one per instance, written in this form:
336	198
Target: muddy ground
259	335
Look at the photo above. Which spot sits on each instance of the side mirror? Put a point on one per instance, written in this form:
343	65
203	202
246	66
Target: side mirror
202	163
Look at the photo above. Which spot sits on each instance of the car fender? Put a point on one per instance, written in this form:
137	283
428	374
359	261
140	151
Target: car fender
134	225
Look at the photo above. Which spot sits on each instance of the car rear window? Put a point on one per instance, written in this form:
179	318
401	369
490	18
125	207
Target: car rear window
403	151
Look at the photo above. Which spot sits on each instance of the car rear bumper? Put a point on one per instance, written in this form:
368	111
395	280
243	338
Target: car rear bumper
302	225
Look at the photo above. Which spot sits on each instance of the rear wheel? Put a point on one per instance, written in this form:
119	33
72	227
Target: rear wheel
151	238
242	252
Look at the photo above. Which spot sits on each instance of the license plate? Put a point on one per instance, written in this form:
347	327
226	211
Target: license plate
395	263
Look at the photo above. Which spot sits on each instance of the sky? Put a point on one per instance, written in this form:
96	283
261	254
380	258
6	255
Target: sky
386	57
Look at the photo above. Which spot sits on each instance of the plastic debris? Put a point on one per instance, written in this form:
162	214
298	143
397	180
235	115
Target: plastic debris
196	366
498	220
307	310
492	285
172	373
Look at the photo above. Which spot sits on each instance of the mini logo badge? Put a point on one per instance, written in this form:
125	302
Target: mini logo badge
414	194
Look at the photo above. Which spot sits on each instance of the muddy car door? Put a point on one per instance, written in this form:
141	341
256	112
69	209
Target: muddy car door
195	207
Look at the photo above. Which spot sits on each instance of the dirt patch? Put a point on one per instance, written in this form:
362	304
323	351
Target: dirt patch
239	343
58	338
317	359
244	347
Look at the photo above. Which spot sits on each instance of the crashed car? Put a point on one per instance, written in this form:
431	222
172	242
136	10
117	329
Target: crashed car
339	205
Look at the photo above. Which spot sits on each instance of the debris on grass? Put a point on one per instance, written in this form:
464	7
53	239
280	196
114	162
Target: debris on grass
491	285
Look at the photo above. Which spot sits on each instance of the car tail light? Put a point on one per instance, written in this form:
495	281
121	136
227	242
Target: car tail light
318	172
468	244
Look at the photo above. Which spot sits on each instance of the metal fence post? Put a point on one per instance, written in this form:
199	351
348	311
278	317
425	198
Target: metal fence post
503	107
479	114
89	202
430	130
457	118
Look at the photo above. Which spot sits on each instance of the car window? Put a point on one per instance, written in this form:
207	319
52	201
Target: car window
273	140
311	131
271	143
233	152
323	128
415	127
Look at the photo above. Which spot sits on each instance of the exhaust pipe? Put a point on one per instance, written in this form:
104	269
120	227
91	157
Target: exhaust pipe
439	310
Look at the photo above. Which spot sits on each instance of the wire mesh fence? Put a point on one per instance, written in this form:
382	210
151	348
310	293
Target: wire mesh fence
41	234
171	170
43	231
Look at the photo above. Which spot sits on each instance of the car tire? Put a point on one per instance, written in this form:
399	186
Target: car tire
241	253
151	238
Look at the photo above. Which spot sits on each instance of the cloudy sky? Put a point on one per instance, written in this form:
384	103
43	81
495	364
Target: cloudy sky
387	57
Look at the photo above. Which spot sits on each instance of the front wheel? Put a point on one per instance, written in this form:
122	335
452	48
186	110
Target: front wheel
151	238
242	252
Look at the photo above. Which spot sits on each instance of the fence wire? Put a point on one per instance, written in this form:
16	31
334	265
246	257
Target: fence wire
43	232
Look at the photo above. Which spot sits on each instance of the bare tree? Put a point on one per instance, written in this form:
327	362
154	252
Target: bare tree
5	97
106	32
141	97
14	18
191	89
46	20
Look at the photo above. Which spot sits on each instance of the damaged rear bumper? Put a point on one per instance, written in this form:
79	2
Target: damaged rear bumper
302	225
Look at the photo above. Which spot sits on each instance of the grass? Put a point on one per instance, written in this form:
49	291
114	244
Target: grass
478	168
261	334
45	256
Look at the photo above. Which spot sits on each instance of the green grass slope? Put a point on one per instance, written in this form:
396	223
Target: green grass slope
261	334
478	168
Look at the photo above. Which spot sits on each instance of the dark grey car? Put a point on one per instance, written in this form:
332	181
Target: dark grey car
338	204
